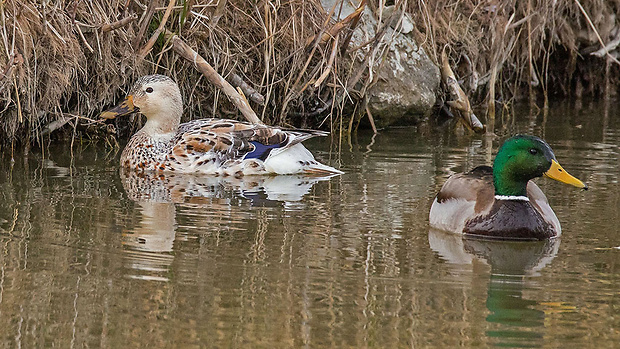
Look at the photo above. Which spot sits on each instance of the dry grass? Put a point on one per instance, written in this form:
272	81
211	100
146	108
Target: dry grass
61	61
527	48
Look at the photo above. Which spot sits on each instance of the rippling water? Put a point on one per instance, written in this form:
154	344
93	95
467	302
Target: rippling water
93	257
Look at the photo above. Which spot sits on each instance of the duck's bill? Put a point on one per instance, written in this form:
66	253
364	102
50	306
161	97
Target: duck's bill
559	174
126	107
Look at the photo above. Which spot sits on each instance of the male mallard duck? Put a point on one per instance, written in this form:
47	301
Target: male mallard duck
501	202
209	146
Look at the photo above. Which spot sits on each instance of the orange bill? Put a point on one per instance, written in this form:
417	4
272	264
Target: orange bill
559	174
126	107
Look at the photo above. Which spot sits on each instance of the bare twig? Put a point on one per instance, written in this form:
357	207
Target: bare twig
64	118
370	117
339	26
179	46
219	12
330	63
144	22
612	45
598	36
118	24
252	94
519	22
458	98
20	116
354	22
149	44
49	25
14	61
377	40
79	30
317	39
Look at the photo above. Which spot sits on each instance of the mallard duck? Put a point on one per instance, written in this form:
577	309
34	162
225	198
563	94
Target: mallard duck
501	202
208	146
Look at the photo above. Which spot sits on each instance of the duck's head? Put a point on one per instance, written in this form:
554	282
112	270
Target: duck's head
158	98
522	158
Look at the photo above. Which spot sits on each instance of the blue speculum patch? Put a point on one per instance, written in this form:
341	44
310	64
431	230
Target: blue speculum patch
261	151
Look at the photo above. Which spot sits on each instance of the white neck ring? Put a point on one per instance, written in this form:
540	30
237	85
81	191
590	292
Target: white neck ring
512	197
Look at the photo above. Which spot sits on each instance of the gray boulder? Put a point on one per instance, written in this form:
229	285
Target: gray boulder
407	80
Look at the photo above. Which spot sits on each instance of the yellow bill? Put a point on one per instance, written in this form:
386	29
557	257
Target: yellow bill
559	174
126	107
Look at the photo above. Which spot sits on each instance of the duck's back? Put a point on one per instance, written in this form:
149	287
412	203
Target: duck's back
207	145
460	198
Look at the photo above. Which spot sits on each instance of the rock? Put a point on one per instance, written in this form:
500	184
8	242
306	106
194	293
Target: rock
406	87
407	81
406	26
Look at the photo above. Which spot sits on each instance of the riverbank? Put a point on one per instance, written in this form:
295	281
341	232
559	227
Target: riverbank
320	64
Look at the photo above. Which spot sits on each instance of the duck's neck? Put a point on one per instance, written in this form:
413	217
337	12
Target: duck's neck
162	126
511	188
507	183
509	176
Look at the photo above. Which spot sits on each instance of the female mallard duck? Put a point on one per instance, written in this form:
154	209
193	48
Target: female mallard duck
209	146
501	202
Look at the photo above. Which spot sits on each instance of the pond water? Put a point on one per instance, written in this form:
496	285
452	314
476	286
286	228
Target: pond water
93	257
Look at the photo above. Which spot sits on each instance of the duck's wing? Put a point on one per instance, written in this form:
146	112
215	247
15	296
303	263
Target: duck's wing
204	145
211	145
463	197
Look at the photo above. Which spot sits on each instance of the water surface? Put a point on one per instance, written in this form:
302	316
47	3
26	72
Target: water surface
93	257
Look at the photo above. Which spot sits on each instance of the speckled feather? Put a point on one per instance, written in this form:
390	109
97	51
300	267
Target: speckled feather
213	146
209	146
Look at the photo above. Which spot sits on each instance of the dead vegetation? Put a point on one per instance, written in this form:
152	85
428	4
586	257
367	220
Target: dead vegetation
505	49
65	61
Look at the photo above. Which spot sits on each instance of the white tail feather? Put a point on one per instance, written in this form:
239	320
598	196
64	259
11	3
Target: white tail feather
296	159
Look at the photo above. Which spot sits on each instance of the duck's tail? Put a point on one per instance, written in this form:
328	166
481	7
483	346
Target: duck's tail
320	170
297	159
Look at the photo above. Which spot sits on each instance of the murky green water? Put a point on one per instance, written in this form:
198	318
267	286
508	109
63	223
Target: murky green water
89	257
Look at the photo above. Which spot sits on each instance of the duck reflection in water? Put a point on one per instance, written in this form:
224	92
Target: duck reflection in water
513	320
150	243
195	189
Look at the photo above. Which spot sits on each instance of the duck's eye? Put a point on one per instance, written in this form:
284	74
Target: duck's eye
533	151
149	89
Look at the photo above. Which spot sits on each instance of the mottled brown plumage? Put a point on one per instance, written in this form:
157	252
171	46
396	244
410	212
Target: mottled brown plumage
210	146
